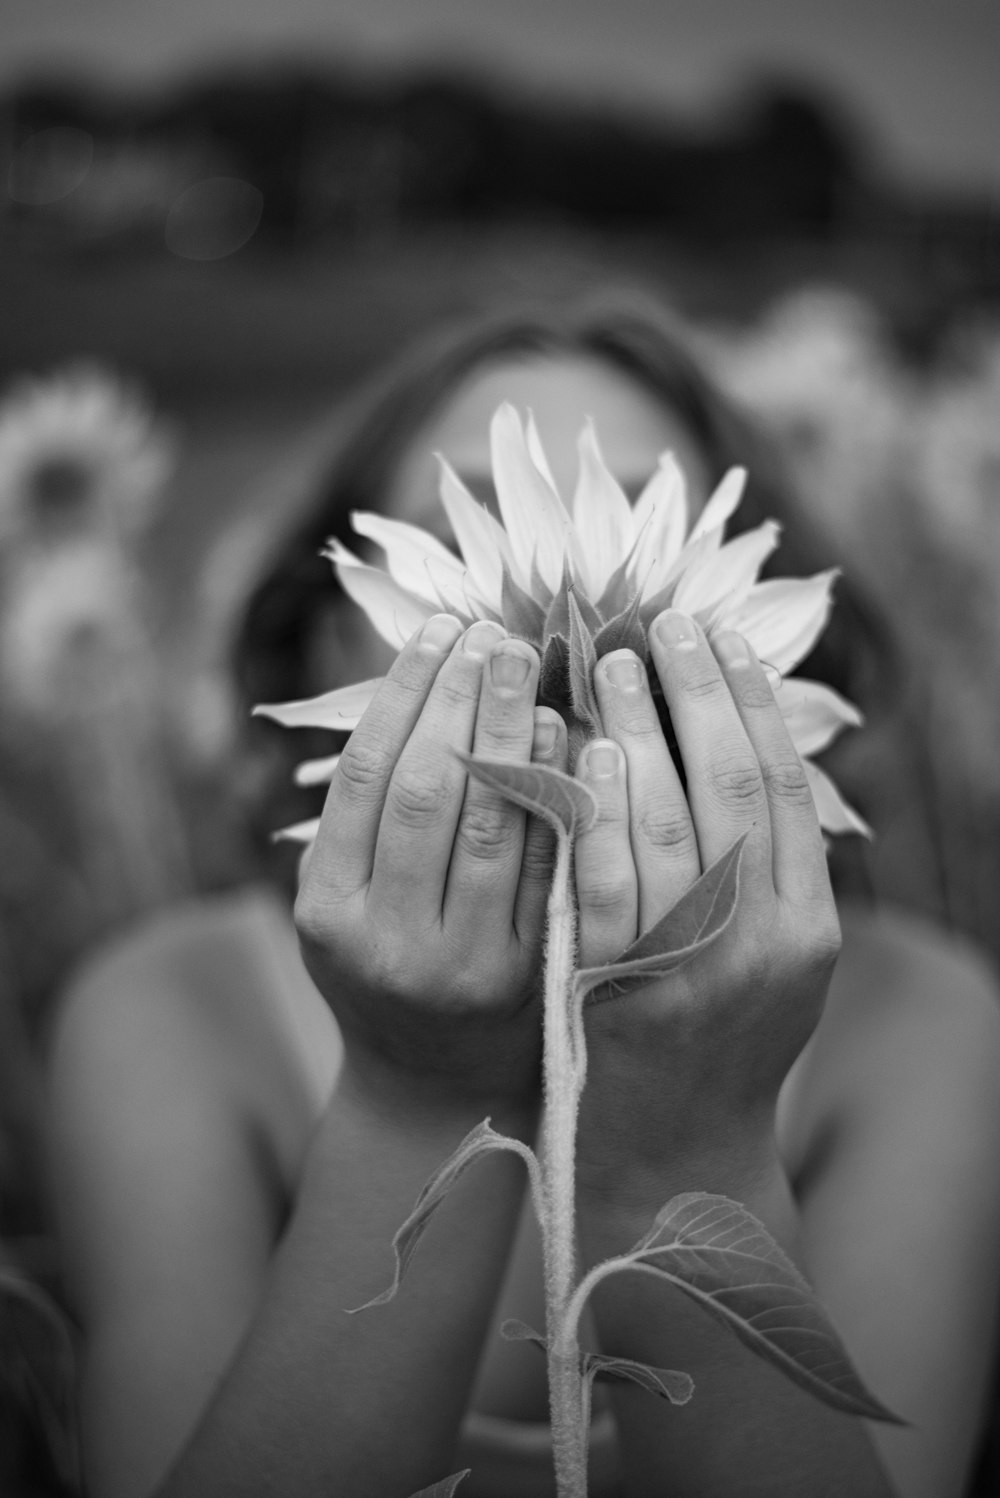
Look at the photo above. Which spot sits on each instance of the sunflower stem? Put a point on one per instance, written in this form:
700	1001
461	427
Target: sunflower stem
563	1082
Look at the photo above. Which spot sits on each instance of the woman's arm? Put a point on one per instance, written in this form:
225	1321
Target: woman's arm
684	1076
215	1361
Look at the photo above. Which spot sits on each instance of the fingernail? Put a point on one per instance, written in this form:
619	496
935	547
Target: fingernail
676	630
509	668
440	632
625	672
732	650
546	737
603	759
481	637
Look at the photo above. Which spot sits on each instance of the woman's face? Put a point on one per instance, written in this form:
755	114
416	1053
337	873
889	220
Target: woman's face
563	391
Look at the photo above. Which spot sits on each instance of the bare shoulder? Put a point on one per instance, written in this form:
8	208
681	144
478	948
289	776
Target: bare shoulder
204	1012
890	1128
912	1024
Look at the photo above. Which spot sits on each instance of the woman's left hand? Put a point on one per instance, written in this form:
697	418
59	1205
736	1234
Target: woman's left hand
684	1075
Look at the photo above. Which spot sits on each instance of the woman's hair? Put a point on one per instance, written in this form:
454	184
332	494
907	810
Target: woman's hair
273	648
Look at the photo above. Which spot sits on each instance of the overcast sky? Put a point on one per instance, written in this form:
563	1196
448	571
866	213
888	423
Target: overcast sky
921	74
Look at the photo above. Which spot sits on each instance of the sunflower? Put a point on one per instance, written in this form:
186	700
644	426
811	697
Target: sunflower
579	580
80	451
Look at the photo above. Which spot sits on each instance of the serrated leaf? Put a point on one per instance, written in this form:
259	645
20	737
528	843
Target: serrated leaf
565	803
720	1255
697	919
445	1488
553	678
521	614
582	660
668	1383
480	1141
623	632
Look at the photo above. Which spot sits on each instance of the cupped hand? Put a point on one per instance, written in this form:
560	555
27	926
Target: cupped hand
689	1067
422	908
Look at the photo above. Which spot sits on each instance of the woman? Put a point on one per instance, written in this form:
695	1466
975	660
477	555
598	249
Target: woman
231	1162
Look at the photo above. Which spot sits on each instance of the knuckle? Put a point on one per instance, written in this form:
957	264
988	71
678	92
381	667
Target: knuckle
639	722
787	780
662	824
455	690
417	798
704	685
755	693
485	832
363	767
737	779
606	897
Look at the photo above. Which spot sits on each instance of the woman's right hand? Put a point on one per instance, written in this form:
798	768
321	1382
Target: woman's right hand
422	907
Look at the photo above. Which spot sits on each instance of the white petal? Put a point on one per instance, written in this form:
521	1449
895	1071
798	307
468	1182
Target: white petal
316	771
602	516
537	452
340	710
298	832
395	613
723	502
720	581
407	548
784	617
814	713
659	522
833	811
534	517
482	542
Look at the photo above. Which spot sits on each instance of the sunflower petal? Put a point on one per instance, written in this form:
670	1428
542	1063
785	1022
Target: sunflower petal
408	549
784	617
814	713
536	521
482	542
340	710
395	612
537	452
298	832
722	504
316	771
659	520
602	516
721	580
833	811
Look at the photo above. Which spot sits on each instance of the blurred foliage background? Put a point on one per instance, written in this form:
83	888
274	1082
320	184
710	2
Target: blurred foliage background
213	223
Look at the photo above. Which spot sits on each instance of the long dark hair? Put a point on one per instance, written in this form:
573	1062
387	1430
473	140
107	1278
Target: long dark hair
272	649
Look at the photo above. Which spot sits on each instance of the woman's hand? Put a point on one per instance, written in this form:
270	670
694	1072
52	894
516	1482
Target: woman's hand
683	1076
422	908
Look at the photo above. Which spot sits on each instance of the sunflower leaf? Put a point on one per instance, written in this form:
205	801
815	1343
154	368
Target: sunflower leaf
513	1330
521	614
697	919
563	802
481	1140
445	1488
553	678
668	1383
623	632
724	1259
557	616
582	660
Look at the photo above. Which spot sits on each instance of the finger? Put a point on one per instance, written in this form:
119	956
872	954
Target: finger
548	747
489	840
343	854
797	852
423	800
664	845
725	786
606	883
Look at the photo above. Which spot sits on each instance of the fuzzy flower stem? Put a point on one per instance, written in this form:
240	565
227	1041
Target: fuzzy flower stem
563	1085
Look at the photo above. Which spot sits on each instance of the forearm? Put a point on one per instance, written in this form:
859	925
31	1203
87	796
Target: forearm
318	1401
747	1428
